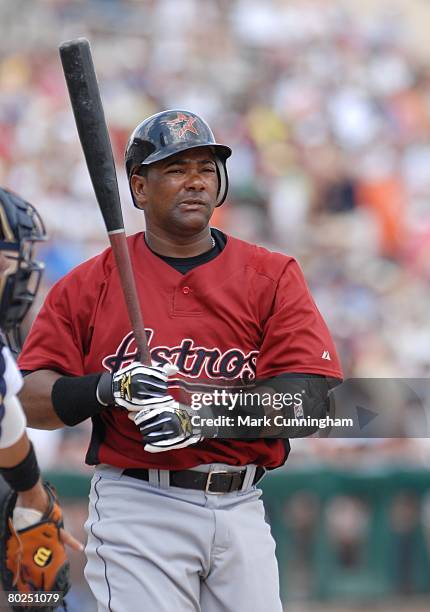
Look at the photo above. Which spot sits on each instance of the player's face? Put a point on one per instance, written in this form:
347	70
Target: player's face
178	194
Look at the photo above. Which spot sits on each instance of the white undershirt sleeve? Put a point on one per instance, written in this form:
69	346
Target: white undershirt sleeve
13	422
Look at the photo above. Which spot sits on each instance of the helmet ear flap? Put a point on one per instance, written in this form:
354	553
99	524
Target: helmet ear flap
223	181
141	170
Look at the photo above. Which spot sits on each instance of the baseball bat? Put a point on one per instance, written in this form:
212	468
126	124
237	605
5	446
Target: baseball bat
90	120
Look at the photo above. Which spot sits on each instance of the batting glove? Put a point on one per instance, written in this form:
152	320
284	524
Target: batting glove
132	386
165	425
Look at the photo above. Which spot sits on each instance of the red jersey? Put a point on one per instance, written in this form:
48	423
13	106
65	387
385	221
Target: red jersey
247	313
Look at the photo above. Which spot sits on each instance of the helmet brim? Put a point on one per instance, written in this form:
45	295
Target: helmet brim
221	151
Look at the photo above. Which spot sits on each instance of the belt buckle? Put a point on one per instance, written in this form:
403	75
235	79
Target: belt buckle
209	480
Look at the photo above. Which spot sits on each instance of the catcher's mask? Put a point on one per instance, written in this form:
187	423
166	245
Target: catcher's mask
20	227
168	133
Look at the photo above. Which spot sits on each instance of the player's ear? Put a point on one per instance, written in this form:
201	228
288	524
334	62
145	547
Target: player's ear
138	186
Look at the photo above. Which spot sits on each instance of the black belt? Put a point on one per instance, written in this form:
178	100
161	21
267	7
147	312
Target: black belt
214	482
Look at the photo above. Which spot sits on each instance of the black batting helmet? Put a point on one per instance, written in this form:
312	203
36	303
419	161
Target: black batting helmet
170	132
20	227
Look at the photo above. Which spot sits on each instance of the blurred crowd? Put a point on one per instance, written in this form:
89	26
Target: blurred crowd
326	105
326	108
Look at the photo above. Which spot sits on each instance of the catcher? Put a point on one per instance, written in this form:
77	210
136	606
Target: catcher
32	538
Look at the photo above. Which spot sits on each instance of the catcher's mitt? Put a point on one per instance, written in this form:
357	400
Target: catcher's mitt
33	559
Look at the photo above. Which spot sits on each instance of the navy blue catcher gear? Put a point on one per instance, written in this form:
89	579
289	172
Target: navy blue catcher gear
20	227
168	133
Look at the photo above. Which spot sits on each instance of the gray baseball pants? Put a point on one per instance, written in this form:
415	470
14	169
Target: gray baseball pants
156	548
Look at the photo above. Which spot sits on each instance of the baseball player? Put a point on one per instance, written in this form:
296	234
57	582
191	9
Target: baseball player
175	519
29	543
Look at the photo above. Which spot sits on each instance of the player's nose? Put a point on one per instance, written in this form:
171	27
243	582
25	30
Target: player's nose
194	180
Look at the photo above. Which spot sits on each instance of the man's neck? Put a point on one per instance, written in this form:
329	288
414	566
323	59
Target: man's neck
186	247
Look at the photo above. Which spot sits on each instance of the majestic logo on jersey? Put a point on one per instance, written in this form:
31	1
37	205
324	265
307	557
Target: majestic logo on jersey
191	360
183	124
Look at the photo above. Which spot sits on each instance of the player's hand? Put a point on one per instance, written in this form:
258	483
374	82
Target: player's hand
131	386
165	425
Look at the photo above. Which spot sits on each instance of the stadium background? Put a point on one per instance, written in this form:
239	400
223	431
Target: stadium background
326	104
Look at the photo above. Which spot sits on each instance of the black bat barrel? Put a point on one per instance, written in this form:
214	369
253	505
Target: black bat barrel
90	120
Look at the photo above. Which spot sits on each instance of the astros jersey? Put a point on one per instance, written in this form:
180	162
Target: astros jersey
247	313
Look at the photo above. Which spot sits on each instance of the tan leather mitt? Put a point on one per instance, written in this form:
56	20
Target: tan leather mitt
33	559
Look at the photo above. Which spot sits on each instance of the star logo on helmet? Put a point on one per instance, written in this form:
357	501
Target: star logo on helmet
184	124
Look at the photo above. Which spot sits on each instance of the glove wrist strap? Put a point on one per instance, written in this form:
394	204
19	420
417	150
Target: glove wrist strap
104	390
23	476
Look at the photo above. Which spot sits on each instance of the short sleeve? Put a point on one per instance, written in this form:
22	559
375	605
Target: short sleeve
53	342
295	336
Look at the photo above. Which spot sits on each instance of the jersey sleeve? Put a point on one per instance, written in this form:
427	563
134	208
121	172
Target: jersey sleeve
295	336
54	341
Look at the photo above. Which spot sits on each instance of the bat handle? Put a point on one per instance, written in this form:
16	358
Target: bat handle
122	257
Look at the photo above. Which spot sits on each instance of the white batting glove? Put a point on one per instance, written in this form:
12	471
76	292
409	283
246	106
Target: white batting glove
165	425
131	386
